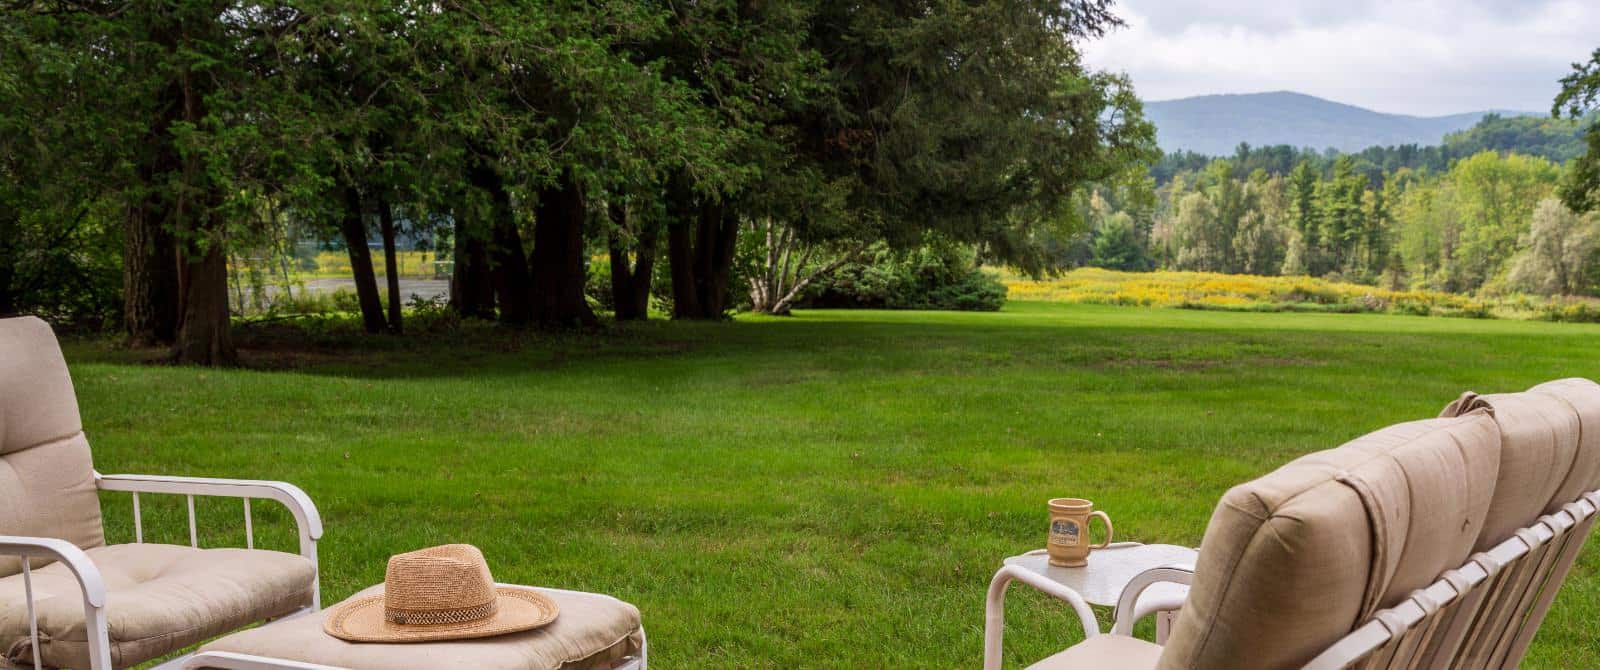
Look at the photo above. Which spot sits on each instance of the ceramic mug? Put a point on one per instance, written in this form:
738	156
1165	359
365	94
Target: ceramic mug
1069	531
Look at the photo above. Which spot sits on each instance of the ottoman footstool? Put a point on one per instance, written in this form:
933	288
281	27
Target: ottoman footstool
593	632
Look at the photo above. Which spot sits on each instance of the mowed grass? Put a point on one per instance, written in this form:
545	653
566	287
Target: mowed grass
831	490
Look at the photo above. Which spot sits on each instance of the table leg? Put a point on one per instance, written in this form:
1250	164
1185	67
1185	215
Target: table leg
995	608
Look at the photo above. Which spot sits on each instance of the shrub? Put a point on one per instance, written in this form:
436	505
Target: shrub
1575	312
937	275
597	287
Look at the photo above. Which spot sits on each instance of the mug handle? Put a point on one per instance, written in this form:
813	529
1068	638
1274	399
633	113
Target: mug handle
1103	517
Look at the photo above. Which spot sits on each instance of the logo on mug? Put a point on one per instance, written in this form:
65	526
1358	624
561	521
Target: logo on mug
1064	532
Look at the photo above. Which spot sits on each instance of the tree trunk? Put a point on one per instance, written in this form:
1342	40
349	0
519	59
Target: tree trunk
680	254
631	282
558	272
150	259
682	216
722	224
471	288
701	252
508	265
204	338
9	230
391	265
353	225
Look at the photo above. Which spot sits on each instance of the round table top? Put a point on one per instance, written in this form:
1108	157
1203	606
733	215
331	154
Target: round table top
1110	569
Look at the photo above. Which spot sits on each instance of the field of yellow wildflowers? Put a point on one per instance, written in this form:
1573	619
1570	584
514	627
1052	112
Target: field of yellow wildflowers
1205	290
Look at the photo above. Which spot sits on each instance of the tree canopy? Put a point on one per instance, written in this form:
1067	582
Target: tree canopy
169	143
1580	96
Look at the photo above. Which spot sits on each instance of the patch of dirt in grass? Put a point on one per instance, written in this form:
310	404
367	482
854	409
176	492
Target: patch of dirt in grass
1202	364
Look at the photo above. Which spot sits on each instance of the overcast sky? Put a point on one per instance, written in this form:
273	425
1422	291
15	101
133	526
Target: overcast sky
1406	56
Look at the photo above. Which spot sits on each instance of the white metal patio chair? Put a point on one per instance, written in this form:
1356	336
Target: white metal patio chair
67	599
1432	544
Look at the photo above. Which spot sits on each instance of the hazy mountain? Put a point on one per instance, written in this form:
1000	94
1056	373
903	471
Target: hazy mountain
1215	124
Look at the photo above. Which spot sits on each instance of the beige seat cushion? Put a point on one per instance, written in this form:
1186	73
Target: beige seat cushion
1294	560
593	631
159	598
47	484
1107	652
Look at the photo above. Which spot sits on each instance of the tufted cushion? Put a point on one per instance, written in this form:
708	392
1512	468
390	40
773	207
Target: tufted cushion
159	599
1294	560
1539	438
592	632
47	484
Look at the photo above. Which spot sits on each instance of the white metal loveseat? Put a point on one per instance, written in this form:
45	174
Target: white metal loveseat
1436	544
67	599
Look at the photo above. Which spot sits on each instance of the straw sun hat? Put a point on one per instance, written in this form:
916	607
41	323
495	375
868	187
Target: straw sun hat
439	593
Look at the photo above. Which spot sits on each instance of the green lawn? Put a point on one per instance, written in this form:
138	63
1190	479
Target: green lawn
829	490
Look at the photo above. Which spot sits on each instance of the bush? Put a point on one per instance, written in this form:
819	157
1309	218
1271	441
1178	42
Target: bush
1573	312
597	287
937	275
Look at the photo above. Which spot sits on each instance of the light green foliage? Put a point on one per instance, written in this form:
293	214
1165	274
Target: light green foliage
1559	252
1260	241
1454	231
1227	224
1495	197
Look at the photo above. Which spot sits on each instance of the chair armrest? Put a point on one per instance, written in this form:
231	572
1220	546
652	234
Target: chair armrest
92	585
68	554
1129	611
289	495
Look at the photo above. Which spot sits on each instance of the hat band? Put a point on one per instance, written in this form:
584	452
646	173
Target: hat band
441	616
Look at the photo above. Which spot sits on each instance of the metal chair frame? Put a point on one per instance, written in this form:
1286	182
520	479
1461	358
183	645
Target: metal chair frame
308	521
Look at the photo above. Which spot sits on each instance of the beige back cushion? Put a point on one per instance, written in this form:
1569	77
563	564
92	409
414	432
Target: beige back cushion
47	484
1294	560
1540	464
1584	397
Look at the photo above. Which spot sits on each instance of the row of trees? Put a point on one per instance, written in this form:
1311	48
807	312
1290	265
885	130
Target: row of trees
155	138
1491	221
1554	138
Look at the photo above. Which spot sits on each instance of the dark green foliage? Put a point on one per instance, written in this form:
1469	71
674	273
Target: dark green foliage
937	275
1580	92
200	134
1117	245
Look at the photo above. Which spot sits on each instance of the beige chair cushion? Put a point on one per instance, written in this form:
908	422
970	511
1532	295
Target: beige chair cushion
593	631
1294	560
46	477
1539	438
1108	652
1584	398
159	598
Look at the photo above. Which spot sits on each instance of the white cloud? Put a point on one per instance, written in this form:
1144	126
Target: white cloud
1405	56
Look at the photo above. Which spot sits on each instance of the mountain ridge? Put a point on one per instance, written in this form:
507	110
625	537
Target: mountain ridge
1215	124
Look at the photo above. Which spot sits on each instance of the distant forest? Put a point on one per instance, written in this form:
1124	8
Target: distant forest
1478	213
1557	140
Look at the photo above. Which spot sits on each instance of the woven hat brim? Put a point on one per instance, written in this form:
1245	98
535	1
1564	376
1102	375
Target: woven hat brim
362	620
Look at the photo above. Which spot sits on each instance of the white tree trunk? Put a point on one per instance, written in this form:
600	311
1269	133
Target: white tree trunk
786	269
